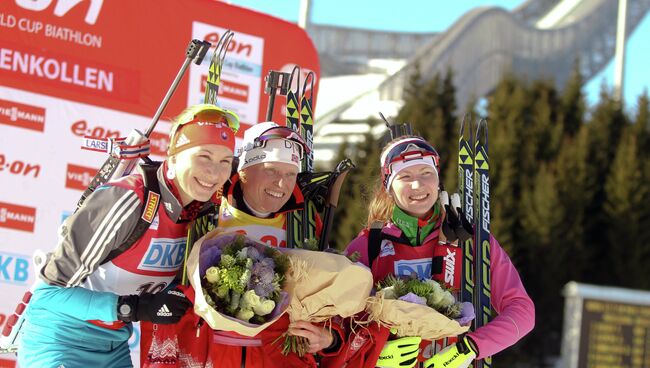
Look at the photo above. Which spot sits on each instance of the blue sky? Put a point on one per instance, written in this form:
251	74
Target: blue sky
437	15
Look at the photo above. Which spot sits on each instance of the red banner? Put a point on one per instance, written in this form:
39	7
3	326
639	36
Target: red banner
123	55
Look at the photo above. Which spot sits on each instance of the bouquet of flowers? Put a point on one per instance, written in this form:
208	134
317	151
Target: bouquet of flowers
239	282
422	308
244	286
245	278
331	285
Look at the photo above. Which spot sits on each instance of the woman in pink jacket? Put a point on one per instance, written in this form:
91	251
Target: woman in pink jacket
409	214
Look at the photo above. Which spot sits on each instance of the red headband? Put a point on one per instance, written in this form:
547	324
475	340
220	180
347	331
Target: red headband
195	133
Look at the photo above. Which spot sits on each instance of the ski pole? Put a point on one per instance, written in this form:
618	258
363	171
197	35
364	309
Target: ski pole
275	80
114	167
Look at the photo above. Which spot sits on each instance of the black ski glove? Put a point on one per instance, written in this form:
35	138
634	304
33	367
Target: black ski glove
166	307
456	226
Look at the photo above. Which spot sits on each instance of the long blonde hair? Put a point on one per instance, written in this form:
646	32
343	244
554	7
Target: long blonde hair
381	205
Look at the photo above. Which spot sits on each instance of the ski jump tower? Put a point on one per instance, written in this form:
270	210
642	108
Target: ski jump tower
539	39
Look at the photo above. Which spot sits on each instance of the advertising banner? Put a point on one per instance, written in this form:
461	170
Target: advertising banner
75	68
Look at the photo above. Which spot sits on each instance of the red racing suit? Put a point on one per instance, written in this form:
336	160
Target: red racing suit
515	309
192	343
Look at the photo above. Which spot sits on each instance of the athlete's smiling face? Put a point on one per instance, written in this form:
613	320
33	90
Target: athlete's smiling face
415	189
201	171
268	185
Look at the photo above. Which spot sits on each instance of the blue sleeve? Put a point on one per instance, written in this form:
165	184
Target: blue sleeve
76	301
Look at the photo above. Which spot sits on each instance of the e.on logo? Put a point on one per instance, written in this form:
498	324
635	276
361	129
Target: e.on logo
63	6
16	217
236	46
78	177
82	129
21	115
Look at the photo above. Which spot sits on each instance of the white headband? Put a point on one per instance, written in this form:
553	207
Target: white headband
274	150
401	165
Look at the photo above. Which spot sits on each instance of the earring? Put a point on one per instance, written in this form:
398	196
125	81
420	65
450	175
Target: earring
171	172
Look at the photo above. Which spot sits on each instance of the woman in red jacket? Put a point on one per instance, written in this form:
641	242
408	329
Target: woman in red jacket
406	207
257	204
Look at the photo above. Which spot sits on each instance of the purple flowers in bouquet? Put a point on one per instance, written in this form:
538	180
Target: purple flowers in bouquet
242	278
429	293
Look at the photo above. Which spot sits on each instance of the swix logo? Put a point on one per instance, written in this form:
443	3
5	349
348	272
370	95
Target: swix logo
163	255
236	46
13	216
485	202
62	7
469	195
14	268
450	266
21	115
159	143
150	207
421	267
78	177
81	128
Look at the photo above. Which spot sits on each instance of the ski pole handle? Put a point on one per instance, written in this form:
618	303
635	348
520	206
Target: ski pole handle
196	51
275	80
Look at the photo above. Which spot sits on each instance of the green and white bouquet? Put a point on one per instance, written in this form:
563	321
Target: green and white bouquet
239	282
243	278
424	308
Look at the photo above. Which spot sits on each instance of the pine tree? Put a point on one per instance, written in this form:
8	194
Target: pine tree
627	213
604	132
355	193
541	211
506	110
573	103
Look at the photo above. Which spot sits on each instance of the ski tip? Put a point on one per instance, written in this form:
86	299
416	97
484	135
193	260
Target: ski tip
467	117
309	79
482	129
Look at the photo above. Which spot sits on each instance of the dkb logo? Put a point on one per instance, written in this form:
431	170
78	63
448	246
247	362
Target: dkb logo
163	255
14	268
421	267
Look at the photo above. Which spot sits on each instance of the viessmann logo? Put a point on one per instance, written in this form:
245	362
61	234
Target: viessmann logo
22	115
16	217
78	177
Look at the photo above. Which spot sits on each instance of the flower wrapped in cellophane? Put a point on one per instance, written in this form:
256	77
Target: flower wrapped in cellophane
238	282
234	275
331	285
424	308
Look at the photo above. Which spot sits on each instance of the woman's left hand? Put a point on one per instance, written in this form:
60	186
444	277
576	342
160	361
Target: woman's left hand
319	337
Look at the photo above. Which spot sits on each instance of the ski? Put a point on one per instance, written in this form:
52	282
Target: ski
204	224
332	200
294	218
213	80
466	191
309	214
482	295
